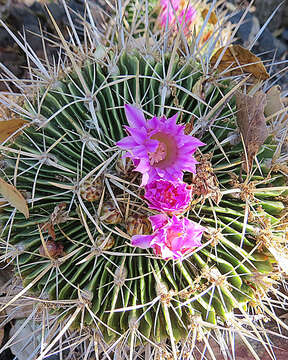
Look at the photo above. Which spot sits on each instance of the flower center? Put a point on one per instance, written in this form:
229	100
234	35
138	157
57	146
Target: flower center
170	195
166	151
172	236
158	155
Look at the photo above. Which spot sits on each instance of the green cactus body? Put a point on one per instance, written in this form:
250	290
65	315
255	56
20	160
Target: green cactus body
127	289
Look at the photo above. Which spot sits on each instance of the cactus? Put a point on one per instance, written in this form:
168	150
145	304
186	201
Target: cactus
85	203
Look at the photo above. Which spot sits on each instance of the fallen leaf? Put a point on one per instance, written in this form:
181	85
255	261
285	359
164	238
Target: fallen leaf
15	198
198	87
274	103
8	127
1	333
252	123
213	17
238	57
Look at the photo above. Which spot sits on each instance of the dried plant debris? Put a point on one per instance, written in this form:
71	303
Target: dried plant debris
237	60
252	124
8	128
274	102
14	197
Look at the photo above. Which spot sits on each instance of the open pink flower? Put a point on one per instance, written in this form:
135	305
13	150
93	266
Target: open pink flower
169	196
174	12
172	237
168	9
158	147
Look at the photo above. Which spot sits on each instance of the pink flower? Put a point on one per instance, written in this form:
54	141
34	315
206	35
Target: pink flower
158	147
164	195
172	237
189	14
168	9
174	11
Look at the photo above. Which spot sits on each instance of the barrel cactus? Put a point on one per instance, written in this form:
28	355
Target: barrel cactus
86	202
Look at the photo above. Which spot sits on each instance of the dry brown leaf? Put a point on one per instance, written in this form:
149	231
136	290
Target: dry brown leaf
252	123
274	103
15	198
8	127
235	56
198	87
213	17
1	335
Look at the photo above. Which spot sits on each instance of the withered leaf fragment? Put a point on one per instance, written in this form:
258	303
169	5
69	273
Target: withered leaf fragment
199	87
274	103
252	124
9	127
14	197
213	17
239	60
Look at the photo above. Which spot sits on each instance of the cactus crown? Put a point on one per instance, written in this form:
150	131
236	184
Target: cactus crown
85	200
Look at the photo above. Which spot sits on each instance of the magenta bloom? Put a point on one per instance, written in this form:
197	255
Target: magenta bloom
173	10
169	196
168	9
158	147
190	14
172	237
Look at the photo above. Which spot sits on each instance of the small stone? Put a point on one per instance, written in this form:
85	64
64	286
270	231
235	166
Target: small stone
264	8
57	11
285	35
266	42
25	340
248	29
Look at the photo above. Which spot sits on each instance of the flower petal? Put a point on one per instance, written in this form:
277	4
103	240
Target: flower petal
127	143
172	120
138	134
142	241
143	166
145	179
151	145
135	116
153	123
158	221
